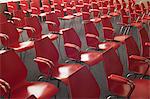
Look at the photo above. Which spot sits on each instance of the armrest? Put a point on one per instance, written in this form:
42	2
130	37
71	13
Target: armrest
92	36
50	22
123	81
10	6
120	79
22	5
2	35
4	85
42	61
15	18
45	59
119	23
29	28
139	58
34	8
147	44
45	6
108	28
6	12
57	10
72	46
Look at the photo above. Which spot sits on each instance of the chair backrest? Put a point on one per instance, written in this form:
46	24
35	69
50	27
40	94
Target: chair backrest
85	16
118	5
12	68
143	7
12	6
112	63
131	47
92	35
106	22
80	89
53	18
33	22
86	8
37	10
10	30
46	49
3	18
71	37
19	14
143	39
107	28
25	5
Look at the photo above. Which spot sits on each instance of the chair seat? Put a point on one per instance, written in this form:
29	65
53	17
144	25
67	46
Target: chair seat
51	36
63	71
38	89
114	14
96	20
91	57
135	24
23	46
121	38
78	14
141	89
68	17
147	17
80	6
107	45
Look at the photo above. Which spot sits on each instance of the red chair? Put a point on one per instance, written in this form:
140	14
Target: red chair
119	85
46	6
12	6
13	38
118	4
109	33
53	22
93	39
73	50
136	63
112	9
72	75
86	18
36	9
18	18
24	5
19	87
34	29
